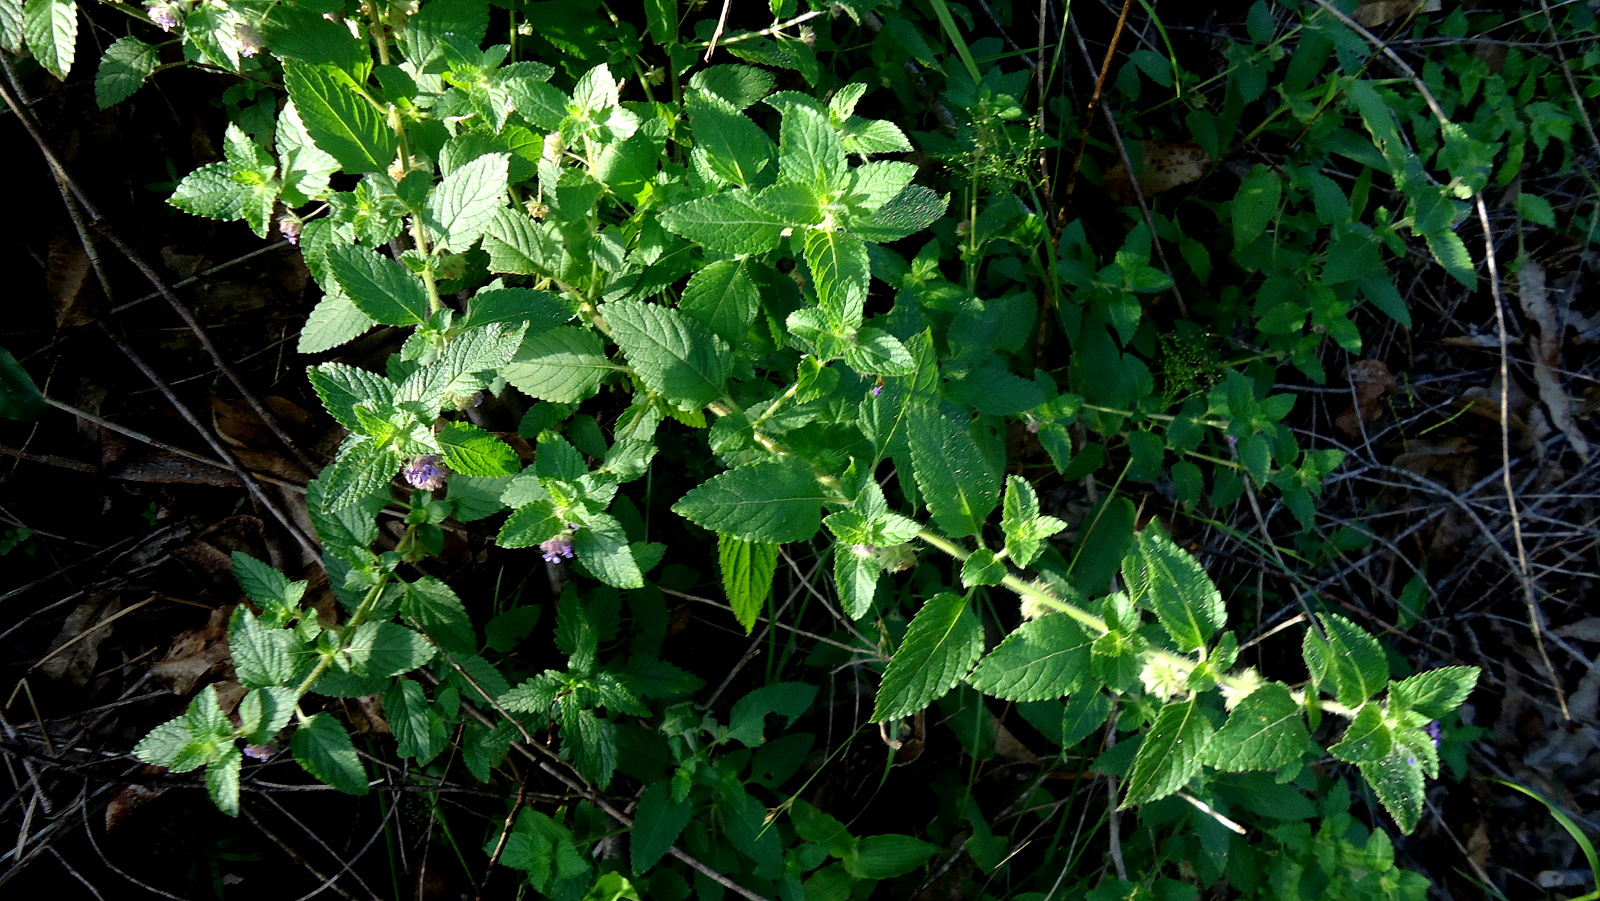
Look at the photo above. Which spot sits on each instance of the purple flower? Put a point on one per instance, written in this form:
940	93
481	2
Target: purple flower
249	39
163	15
877	390
864	550
424	473
1433	732
1033	426
560	547
260	752
289	227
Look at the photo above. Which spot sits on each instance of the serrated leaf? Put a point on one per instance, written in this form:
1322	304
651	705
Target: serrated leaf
1397	779
1435	693
742	222
564	365
1045	658
729	144
656	825
519	245
747	720
12	33
722	297
855	575
911	211
261	655
776	502
304	167
1367	738
962	487
1267	730
123	69
466	364
1350	658
809	152
472	451
876	352
380	287
875	184
510	307
222	781
461	208
1255	204
342	387
887	856
747	570
438	611
982	568
602	546
323	748
838	264
1163	575
212	192
1170	754
386	649
162	745
357	473
339	119
418	730
335	320
265	585
940	646
265	711
591	742
675	356
1024	528
1451	252
51	27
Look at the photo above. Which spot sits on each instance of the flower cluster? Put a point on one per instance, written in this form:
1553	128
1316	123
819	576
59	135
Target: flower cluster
424	473
559	547
164	15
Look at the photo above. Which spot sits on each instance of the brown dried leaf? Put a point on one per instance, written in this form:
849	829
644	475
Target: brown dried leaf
253	443
76	649
133	797
1166	166
195	653
72	293
1373	13
1371	380
1547	356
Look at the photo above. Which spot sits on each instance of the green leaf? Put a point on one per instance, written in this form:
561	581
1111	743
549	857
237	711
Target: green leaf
339	119
1174	585
747	571
1170	754
123	69
809	152
982	568
747	720
838	266
335	320
12	35
911	211
265	585
1024	528
418	730
876	352
1536	209
602	547
222	781
20	397
261	655
1451	252
733	149
472	451
438	611
461	208
855	574
466	364
519	245
591	744
51	27
211	191
1265	732
1350	659
564	365
1255	205
724	298
1045	658
162	745
1435	693
1367	738
775	502
264	712
541	310
942	643
674	356
1397	779
380	287
342	387
887	856
656	825
386	649
962	487
323	748
742	222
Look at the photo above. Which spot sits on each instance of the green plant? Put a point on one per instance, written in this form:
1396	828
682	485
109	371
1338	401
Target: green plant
712	245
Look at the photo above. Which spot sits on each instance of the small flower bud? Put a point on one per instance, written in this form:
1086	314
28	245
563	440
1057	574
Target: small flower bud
249	39
289	226
260	752
164	15
1433	732
557	549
